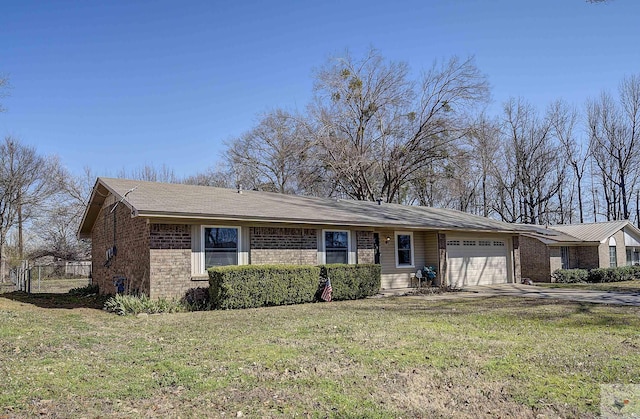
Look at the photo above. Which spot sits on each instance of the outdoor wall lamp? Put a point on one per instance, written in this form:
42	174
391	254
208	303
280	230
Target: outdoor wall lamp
387	240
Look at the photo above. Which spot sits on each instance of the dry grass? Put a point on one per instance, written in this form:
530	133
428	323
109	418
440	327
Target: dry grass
48	286
391	357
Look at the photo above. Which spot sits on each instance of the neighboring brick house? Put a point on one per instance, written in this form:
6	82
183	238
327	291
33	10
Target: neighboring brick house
159	239
584	246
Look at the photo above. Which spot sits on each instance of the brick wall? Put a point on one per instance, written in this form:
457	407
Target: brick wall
282	245
132	243
534	260
587	257
170	261
555	258
517	261
366	246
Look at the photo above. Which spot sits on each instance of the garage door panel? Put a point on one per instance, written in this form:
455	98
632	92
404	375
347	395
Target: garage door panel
476	261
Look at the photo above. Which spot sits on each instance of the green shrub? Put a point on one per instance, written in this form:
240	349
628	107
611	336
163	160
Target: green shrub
622	273
352	282
84	291
135	304
626	273
262	285
570	276
598	275
197	299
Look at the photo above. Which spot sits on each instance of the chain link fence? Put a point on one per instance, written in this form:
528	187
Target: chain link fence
58	277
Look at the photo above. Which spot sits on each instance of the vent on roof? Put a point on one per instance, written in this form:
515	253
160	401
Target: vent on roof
379	201
239	188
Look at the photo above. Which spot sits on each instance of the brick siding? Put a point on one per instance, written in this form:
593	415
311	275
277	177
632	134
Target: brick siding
281	245
366	246
534	260
587	257
170	261
156	259
132	243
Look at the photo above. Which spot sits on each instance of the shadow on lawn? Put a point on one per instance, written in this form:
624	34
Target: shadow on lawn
562	312
52	300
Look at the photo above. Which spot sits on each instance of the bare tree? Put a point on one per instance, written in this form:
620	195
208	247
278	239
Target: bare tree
563	120
271	156
483	141
357	110
376	128
614	129
150	173
219	176
27	180
535	171
56	232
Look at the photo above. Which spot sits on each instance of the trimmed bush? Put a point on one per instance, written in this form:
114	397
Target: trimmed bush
570	276
597	275
352	282
622	273
251	286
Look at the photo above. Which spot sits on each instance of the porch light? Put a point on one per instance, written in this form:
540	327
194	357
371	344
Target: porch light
387	240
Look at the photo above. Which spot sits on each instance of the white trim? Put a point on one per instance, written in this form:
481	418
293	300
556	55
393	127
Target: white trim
323	253
352	259
239	249
631	240
612	241
395	245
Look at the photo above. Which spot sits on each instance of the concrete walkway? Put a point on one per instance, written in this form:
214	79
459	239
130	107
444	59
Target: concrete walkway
529	291
532	291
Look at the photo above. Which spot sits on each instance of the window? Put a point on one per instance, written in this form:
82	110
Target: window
613	254
564	256
453	242
336	246
468	242
613	257
404	249
633	257
484	242
498	243
220	246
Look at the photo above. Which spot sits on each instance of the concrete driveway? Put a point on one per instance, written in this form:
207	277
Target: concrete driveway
532	291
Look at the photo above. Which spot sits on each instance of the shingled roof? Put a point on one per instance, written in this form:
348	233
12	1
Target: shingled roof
587	233
166	200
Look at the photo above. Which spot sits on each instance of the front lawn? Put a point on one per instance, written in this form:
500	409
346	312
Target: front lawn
623	286
389	357
51	285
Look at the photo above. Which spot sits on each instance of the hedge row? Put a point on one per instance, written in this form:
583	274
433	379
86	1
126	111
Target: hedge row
252	286
352	282
622	273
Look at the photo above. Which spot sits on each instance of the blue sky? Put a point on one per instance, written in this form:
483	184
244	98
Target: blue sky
121	84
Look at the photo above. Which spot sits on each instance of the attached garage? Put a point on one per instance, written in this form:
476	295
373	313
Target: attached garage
477	260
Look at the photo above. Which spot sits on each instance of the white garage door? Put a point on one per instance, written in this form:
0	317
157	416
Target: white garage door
476	261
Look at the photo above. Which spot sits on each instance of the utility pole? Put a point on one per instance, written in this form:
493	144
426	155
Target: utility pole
20	243
638	208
